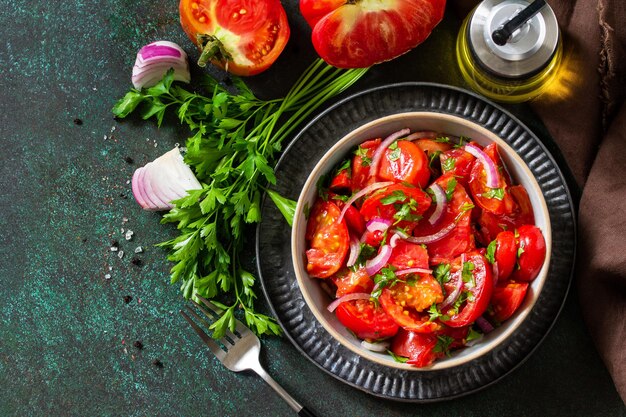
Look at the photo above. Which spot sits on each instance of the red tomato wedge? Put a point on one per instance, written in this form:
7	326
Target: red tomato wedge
408	255
329	240
480	286
458	210
458	163
366	320
405	302
507	299
405	163
506	254
388	204
418	347
243	37
531	250
348	281
361	163
361	33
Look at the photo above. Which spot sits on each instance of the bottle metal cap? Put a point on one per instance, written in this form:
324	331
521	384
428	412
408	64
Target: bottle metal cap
529	49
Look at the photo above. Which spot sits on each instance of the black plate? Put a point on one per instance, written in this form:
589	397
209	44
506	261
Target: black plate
274	250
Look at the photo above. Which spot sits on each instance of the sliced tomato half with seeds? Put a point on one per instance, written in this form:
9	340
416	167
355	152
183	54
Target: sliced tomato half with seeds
328	240
243	37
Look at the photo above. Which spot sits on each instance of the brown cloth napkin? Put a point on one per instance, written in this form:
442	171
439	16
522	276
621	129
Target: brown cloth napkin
588	123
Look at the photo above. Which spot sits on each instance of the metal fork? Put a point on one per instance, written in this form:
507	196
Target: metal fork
239	351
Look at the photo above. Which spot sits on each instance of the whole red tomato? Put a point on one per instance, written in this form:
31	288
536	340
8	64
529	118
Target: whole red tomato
361	33
243	37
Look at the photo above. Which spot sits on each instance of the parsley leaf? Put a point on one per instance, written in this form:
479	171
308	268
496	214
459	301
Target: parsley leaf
233	146
497	193
448	164
395	197
363	154
398	358
491	252
385	278
450	188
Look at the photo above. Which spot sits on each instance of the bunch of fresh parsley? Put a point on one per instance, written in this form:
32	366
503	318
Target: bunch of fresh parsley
235	141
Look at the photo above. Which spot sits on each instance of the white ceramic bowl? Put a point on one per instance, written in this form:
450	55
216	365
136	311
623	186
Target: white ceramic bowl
318	300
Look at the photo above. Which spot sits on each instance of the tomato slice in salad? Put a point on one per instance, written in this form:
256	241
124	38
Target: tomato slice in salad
406	301
328	240
458	211
506	300
477	290
408	255
458	163
531	249
361	164
419	348
403	161
359	34
242	37
348	281
506	254
366	320
401	204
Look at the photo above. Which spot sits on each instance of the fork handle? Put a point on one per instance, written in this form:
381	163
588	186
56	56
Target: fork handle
295	405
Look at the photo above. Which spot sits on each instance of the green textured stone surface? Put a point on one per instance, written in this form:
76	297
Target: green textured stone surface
66	334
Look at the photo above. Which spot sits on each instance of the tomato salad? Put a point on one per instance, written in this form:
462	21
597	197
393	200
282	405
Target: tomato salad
425	243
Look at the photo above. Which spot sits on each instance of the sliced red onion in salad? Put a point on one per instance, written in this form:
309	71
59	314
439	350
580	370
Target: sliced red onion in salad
454	294
364	191
378	224
355	250
484	324
376	347
380	150
424	134
155	59
348	297
413	271
163	180
375	264
442	203
435	237
491	171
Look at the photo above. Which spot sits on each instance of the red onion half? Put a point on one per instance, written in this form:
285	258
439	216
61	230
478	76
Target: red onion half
163	180
434	237
490	167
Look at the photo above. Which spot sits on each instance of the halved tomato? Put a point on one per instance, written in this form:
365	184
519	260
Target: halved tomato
506	254
405	162
405	302
361	163
243	37
480	287
329	240
361	33
458	163
349	281
400	203
419	348
531	249
366	320
495	200
408	255
506	299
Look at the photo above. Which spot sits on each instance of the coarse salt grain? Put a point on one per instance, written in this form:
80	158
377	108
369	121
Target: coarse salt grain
129	234
107	276
138	249
124	219
114	248
120	254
